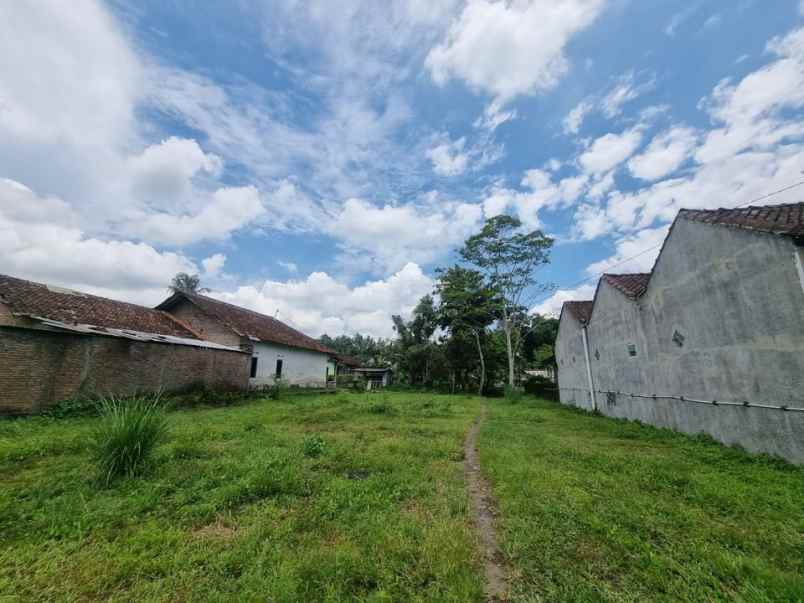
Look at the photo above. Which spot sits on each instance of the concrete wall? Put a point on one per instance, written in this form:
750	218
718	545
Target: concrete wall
299	367
39	368
737	300
572	381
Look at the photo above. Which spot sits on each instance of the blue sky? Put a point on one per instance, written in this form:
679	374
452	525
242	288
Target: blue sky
318	160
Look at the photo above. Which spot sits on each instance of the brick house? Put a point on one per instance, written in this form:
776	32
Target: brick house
57	344
277	350
719	318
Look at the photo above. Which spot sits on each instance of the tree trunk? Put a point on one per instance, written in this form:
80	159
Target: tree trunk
509	349
482	363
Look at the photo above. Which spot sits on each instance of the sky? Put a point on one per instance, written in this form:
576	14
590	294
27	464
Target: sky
317	160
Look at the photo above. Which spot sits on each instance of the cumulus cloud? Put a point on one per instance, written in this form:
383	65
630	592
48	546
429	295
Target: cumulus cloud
552	305
163	172
389	236
665	153
40	240
213	265
227	210
448	158
320	304
507	49
610	150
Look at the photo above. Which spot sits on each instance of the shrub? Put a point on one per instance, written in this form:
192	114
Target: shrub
513	394
128	432
541	387
73	407
353	382
278	390
313	446
381	407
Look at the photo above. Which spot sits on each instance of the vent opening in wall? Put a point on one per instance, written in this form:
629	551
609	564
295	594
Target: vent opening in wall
597	355
632	350
678	338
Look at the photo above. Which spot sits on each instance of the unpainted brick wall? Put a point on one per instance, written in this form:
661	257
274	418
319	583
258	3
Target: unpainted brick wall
207	327
39	368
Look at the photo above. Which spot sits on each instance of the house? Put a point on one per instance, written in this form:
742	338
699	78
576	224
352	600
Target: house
277	350
717	323
376	377
57	344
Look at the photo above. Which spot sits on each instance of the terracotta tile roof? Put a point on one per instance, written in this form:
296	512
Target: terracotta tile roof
632	285
72	307
348	360
786	219
248	323
582	310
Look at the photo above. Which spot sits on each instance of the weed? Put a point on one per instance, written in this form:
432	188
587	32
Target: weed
126	436
313	446
381	407
514	394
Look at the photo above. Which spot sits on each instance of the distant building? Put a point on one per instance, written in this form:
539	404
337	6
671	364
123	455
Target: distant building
720	318
277	350
57	344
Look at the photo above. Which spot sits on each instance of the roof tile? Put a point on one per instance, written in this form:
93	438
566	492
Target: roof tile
582	310
632	285
72	307
785	219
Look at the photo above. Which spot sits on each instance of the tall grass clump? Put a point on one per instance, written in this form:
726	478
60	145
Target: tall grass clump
128	432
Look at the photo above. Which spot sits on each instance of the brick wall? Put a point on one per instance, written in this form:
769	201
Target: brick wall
38	368
207	327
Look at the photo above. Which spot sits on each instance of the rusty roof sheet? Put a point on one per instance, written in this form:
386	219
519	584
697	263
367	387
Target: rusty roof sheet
248	323
582	310
785	219
27	298
631	285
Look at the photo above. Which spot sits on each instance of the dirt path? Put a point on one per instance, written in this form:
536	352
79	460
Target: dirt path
483	512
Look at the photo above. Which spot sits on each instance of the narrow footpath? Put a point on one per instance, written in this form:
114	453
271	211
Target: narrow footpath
483	513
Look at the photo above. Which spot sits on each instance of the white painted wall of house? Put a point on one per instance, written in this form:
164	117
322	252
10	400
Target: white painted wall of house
299	367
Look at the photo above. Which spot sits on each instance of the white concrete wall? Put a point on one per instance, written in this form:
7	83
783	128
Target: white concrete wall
736	298
299	367
572	381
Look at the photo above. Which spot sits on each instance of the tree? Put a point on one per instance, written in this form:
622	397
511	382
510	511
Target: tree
508	258
538	341
186	283
467	305
415	346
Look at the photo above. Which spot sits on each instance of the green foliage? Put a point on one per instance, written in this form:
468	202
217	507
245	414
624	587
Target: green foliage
234	510
597	509
352	382
277	390
541	387
74	407
186	283
313	446
514	394
369	351
126	436
381	407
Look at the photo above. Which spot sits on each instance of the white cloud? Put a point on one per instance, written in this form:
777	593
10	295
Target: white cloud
552	305
213	265
39	240
680	17
162	173
448	158
320	304
227	210
801	8
610	150
575	118
623	92
590	222
665	153
390	236
634	253
289	266
510	48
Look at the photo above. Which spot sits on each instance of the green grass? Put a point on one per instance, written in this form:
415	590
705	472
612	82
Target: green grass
594	509
361	497
324	498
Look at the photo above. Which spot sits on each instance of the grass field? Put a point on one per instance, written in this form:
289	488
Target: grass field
362	497
594	509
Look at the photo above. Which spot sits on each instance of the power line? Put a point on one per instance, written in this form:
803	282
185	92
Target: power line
652	247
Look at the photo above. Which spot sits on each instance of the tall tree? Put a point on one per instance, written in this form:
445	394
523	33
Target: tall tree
509	259
467	305
415	345
186	283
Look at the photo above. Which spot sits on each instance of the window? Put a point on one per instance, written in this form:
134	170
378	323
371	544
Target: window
631	350
253	367
278	368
